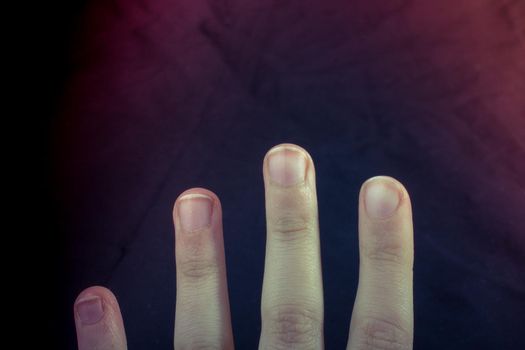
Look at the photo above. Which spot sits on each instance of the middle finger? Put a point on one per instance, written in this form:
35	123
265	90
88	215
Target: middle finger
292	296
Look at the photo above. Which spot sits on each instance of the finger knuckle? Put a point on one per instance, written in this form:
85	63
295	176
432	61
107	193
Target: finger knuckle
294	325
386	251
380	334
199	346
198	269
291	227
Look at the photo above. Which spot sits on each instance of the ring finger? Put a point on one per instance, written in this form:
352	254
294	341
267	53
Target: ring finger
202	317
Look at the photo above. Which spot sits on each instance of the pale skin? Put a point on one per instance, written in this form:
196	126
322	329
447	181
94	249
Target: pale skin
292	293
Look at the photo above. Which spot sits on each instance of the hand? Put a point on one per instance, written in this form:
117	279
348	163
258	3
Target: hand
292	295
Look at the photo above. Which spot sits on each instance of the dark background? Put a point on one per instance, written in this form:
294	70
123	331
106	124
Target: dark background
142	100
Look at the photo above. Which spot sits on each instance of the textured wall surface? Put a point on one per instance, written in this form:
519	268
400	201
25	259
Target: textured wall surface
171	94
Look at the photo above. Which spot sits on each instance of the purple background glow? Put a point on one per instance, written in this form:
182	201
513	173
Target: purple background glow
170	94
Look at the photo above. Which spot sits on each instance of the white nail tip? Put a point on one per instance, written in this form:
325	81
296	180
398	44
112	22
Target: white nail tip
194	195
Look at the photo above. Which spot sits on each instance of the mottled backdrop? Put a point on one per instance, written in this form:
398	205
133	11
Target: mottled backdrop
165	95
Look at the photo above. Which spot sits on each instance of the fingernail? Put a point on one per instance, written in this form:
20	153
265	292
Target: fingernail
195	211
287	166
381	198
90	310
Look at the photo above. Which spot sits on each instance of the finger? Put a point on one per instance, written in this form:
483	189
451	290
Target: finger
98	321
292	296
202	317
383	312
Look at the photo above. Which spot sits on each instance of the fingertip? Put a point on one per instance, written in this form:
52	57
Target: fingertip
93	304
196	192
384	179
383	195
287	145
100	291
288	165
98	320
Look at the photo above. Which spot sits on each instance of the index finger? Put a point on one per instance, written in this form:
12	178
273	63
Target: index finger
383	310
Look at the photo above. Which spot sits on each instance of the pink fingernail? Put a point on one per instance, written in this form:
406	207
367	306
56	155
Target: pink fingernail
195	211
90	309
382	198
287	166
